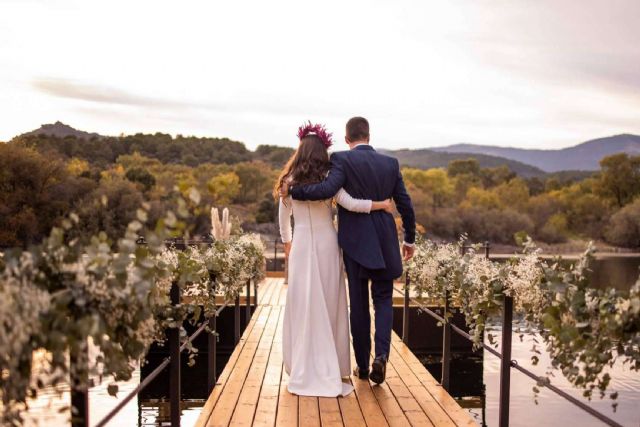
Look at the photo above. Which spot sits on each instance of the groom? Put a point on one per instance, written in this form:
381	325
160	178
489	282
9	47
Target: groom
369	242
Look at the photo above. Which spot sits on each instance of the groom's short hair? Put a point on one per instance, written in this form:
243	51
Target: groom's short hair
357	129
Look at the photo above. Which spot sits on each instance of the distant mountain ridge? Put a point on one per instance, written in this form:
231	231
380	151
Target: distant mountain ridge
524	162
585	156
61	130
427	158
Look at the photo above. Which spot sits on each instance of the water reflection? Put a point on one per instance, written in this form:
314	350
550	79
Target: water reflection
475	381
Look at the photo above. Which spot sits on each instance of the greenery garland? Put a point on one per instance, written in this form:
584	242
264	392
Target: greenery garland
59	295
585	330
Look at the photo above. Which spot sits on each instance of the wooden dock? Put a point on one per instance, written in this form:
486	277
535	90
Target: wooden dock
252	389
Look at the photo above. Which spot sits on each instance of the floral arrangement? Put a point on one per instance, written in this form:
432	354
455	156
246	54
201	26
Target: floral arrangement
316	129
583	329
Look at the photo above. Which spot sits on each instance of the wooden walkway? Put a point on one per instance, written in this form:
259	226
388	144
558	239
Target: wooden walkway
252	389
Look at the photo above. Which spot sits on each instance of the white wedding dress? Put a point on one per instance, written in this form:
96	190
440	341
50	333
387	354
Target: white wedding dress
316	322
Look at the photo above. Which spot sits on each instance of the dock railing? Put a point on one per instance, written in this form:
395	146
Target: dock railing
506	363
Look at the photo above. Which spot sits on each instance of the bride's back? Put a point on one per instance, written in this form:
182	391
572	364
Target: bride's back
308	214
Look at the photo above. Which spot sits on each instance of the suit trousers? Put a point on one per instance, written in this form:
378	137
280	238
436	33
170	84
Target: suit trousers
359	314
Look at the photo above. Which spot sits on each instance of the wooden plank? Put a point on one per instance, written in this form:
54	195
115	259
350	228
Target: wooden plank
453	410
252	390
224	376
330	412
268	291
308	411
276	292
268	400
248	400
224	407
282	299
287	413
369	406
350	409
431	408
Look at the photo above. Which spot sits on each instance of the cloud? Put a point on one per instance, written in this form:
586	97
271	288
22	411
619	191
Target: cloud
71	89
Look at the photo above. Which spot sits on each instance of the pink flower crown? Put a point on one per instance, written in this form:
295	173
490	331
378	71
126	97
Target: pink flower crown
316	129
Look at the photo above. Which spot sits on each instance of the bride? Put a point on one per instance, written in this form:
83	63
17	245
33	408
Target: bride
316	329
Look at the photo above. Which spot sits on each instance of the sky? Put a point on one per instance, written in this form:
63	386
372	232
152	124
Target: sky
526	73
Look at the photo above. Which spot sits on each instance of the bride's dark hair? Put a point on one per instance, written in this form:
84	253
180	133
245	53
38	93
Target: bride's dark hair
308	165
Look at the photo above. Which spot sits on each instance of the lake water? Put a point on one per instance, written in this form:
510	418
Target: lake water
474	378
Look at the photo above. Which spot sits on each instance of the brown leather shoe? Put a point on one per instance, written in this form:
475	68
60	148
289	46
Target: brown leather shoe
361	373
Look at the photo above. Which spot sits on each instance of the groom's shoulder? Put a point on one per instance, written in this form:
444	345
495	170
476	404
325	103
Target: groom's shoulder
387	158
337	155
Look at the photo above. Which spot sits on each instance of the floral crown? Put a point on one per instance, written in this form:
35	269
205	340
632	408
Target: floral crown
316	129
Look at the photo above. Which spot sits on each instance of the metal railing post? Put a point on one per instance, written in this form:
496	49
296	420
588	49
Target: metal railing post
255	295
79	379
446	344
275	254
236	323
248	303
212	341
505	361
173	335
405	312
487	249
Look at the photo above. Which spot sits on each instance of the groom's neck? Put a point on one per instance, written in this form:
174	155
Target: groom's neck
354	144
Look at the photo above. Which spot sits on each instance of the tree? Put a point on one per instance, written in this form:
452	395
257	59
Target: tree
141	176
496	176
481	198
35	191
624	226
514	193
434	182
464	167
620	178
267	210
109	208
274	155
224	188
255	179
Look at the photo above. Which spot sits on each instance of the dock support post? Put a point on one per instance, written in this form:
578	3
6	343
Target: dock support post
446	344
405	312
173	335
505	361
212	341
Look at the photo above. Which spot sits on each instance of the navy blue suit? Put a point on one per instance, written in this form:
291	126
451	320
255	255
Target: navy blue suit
369	242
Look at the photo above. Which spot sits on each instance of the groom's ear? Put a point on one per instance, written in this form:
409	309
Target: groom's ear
346	139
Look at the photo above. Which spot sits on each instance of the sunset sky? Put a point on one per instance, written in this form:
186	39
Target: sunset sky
545	74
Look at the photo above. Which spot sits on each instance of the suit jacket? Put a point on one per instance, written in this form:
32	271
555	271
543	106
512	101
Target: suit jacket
369	239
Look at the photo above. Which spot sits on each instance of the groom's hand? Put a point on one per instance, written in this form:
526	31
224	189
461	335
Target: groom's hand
407	252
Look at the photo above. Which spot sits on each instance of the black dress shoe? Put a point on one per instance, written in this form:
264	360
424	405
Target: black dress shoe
361	373
378	370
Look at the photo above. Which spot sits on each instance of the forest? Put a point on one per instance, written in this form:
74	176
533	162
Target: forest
104	179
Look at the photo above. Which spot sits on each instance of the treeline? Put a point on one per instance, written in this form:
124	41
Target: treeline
496	205
104	180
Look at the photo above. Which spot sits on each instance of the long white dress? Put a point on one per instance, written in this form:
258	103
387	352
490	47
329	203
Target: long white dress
316	322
